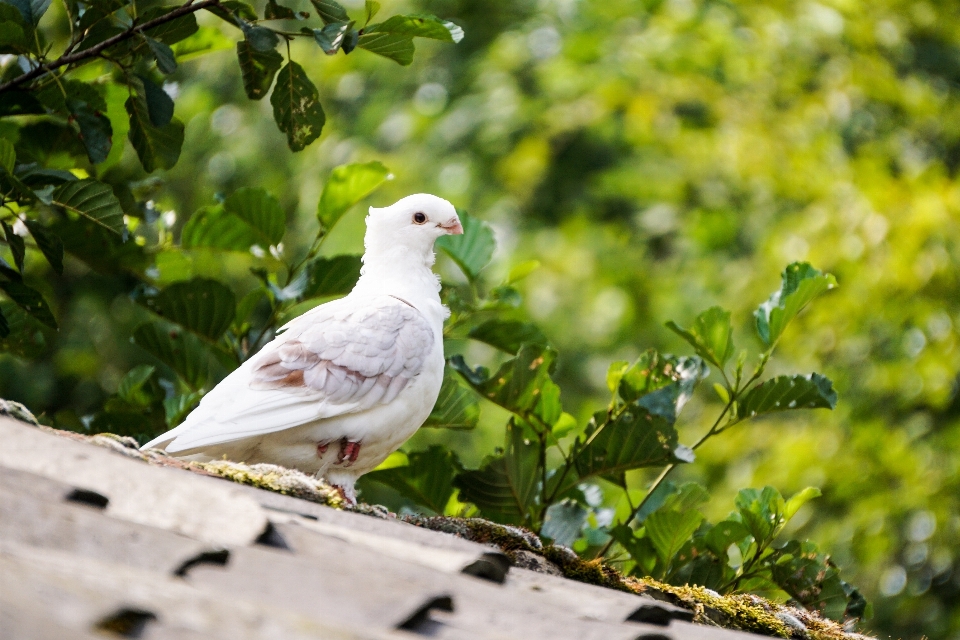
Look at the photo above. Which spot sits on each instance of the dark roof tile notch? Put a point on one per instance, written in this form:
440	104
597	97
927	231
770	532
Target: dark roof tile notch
96	543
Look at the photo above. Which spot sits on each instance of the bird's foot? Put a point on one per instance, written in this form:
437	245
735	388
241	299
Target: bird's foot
349	452
348	495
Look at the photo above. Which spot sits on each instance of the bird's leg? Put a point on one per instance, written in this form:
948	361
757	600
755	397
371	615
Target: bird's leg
349	451
348	495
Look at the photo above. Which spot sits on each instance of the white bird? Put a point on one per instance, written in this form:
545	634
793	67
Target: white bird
348	382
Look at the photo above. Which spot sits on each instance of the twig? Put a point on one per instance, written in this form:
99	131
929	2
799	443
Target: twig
95	50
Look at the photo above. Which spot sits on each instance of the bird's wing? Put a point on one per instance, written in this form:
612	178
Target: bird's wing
342	357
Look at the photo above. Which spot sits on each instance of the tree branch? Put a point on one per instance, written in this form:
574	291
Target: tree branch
94	51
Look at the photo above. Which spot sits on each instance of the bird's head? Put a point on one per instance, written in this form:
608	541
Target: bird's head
414	223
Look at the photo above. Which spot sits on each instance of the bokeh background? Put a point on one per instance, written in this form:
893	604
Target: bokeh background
657	158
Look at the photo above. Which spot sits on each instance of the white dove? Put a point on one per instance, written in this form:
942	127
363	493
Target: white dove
345	384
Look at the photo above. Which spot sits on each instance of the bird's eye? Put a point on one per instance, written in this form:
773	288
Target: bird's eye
419	218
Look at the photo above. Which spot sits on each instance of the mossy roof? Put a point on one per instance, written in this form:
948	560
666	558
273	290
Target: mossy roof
100	542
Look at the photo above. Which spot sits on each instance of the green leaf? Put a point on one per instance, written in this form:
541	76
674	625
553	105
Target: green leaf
258	69
397	47
785	393
799	499
688	496
26	336
508	335
331	37
159	104
371	8
427	481
30	300
723	534
563	522
103	250
634	439
711	335
8	155
131	385
808	576
274	11
521	385
171	32
32	10
176	408
762	512
669	530
179	350
96	132
419	25
49	244
92	200
801	284
330	11
296	107
331	276
234	12
163	54
205	307
13	40
456	406
213	227
472	250
16	244
157	147
347	185
260	38
261	211
668	401
504	488
205	40
522	270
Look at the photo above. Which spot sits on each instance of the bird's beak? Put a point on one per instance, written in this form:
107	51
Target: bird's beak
452	227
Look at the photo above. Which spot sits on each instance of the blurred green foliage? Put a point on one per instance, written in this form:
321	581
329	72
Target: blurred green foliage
655	158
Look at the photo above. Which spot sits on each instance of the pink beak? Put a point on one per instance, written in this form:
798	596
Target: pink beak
453	227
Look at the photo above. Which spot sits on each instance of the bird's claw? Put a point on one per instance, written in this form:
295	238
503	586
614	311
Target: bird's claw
349	452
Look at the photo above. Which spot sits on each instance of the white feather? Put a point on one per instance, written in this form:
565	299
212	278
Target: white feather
366	368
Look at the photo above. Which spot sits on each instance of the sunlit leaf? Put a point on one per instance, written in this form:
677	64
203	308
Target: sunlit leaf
799	499
669	530
419	25
473	249
397	47
761	511
801	284
347	185
92	200
296	107
8	155
711	335
785	393
260	210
